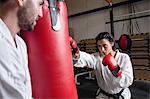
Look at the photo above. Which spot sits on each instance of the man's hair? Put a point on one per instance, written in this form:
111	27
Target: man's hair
105	35
3	1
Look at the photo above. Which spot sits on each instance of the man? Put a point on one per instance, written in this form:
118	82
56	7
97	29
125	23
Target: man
16	15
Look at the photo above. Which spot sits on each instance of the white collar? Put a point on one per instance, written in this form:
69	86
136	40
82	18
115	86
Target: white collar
6	32
117	54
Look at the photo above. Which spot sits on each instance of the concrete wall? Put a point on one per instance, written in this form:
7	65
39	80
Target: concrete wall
89	25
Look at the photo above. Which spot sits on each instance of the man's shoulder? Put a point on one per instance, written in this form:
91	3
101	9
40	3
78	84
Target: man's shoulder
20	41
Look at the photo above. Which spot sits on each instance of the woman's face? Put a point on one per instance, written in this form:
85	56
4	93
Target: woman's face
105	46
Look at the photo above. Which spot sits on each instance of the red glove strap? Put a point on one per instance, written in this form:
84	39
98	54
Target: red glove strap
119	73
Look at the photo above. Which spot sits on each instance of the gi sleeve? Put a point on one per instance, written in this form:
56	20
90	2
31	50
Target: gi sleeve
86	59
126	78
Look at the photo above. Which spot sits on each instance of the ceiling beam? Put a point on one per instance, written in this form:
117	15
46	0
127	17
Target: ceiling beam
103	8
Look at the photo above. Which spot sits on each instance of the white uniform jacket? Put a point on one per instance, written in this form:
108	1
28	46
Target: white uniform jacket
105	79
14	74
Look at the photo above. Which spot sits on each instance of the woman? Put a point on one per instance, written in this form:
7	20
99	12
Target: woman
113	69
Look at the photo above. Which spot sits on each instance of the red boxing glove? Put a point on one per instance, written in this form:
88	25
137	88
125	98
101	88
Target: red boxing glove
112	65
73	44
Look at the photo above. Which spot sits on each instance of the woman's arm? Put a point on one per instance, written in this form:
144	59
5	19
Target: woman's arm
126	78
86	60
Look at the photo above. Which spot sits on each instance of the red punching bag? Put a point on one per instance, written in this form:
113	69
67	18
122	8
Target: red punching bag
125	42
50	59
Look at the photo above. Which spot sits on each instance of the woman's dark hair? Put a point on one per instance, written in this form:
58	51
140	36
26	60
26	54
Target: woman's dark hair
105	35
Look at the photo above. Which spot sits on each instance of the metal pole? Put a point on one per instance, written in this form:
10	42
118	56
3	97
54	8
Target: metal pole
111	19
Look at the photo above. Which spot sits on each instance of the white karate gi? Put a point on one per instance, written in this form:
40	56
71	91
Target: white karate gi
14	74
105	79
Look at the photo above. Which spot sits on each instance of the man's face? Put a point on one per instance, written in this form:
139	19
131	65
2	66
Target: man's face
29	13
104	46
